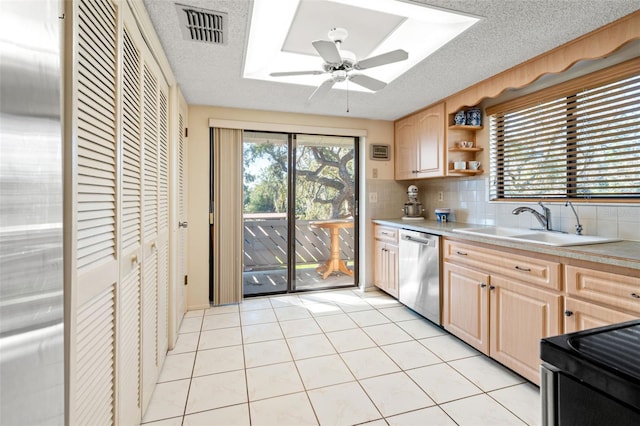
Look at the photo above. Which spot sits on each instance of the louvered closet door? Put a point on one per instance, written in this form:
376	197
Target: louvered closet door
163	223
129	359
182	211
94	226
155	260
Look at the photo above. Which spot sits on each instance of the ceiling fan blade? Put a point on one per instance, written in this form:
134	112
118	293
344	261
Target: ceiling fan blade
322	90
367	82
329	51
289	73
383	59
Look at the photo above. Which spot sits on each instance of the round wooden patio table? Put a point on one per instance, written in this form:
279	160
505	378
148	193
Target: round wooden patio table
334	264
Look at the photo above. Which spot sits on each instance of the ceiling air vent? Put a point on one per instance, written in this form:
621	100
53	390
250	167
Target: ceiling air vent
202	25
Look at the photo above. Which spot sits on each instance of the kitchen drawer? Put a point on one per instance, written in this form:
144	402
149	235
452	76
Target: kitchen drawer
581	315
386	233
536	271
615	290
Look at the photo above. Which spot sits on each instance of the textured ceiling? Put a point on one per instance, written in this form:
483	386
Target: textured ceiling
511	32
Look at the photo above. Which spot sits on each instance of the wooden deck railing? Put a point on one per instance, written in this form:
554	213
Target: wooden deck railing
265	243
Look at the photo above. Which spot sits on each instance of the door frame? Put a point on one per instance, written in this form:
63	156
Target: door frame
359	133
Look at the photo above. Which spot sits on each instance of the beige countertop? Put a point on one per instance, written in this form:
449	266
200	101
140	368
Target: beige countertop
623	253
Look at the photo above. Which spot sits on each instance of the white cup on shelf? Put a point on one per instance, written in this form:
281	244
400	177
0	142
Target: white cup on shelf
474	165
460	165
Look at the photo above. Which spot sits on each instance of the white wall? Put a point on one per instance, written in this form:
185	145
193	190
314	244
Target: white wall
378	132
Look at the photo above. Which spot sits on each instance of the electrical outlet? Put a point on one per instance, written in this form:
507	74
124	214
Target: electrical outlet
375	172
440	196
373	197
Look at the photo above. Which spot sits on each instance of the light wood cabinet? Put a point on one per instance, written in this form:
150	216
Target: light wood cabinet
604	287
405	148
521	315
420	144
599	297
465	307
541	271
581	315
490	303
385	255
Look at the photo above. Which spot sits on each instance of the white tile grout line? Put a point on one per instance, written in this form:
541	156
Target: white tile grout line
324	333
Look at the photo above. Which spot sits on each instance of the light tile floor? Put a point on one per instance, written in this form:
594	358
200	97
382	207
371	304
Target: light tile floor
331	358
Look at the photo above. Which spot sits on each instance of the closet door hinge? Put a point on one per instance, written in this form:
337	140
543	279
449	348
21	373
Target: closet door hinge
186	132
186	279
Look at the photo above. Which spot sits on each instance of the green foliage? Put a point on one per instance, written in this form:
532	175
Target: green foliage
325	180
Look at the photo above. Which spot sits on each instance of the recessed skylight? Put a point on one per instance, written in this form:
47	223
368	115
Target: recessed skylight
280	37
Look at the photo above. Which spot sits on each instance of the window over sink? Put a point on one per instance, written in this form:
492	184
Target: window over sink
579	139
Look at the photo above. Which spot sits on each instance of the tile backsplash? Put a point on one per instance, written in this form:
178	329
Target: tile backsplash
468	199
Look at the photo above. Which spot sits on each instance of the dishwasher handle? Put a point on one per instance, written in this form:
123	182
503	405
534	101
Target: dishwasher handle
425	241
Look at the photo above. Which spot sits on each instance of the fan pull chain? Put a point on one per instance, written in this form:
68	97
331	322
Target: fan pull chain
347	95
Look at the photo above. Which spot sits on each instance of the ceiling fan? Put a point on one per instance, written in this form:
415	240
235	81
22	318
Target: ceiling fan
340	64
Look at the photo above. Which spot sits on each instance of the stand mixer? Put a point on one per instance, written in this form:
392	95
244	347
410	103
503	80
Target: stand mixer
413	208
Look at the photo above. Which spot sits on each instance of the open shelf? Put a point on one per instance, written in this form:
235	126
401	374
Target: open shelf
458	149
465	127
465	172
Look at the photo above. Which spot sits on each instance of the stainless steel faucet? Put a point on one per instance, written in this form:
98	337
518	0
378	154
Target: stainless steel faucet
578	226
544	218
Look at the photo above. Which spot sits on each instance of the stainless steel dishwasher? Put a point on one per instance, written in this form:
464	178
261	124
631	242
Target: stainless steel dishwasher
419	276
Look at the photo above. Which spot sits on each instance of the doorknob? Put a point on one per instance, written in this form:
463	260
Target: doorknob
182	224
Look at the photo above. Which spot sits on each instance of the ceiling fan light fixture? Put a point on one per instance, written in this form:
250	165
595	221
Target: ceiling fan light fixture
339	76
421	31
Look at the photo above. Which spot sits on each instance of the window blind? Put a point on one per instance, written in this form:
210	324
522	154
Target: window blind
575	140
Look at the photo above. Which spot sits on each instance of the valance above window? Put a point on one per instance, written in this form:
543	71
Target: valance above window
579	139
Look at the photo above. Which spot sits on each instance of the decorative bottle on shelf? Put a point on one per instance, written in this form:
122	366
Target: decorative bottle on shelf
474	117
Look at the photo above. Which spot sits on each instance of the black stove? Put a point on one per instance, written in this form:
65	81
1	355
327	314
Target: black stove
592	377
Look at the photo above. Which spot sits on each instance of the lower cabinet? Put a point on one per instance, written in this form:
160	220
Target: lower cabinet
500	316
582	315
465	305
597	297
521	315
502	301
385	268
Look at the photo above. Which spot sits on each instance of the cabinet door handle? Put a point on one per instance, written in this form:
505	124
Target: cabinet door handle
568	313
461	253
523	269
385	233
492	287
635	295
482	285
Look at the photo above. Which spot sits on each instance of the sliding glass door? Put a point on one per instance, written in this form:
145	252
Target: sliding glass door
325	197
265	184
299	212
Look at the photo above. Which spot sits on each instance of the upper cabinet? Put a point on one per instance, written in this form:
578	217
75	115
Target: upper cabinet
420	144
425	142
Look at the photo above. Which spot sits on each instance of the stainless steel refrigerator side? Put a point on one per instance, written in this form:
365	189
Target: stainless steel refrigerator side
31	196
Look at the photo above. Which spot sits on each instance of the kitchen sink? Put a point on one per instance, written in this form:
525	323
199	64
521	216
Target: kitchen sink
494	231
541	237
